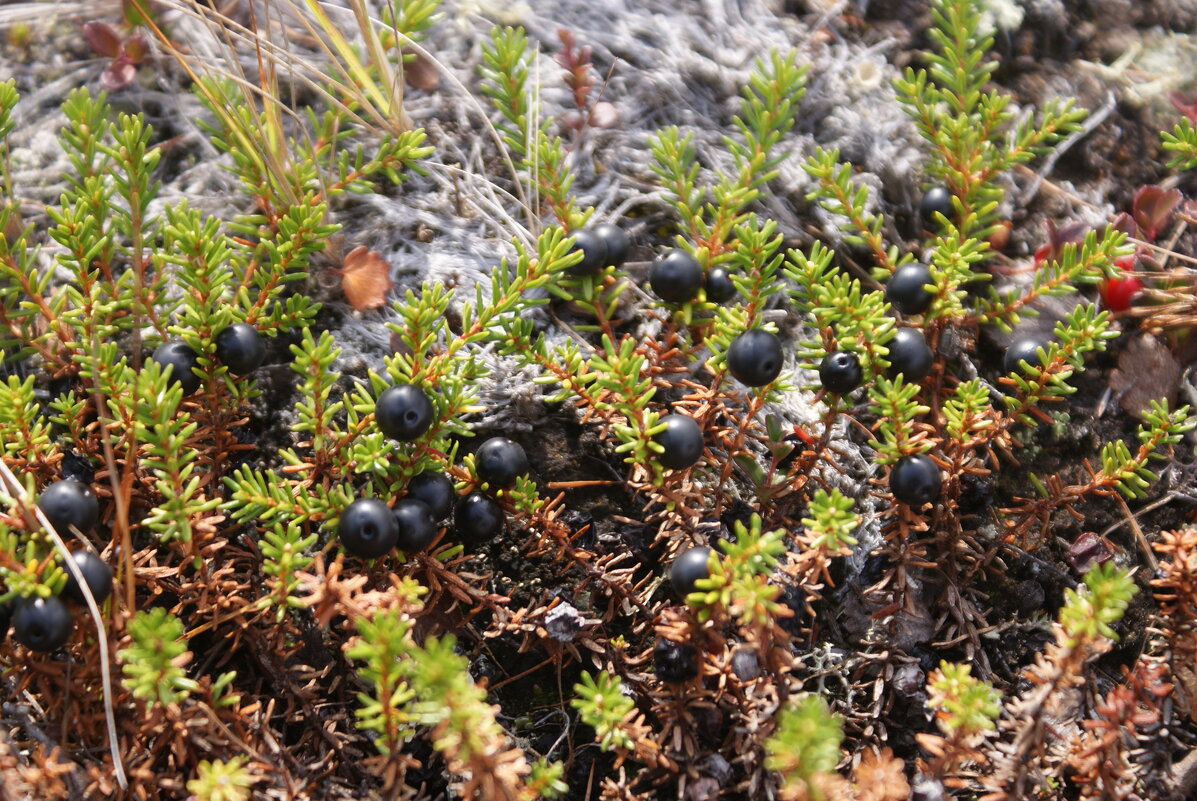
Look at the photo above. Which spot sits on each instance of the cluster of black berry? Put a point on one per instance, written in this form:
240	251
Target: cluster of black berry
45	624
238	347
370	528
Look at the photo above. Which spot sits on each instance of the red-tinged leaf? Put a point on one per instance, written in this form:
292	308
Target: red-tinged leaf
119	74
1184	104
1089	550
1152	209
1126	224
102	38
1068	233
365	278
136	48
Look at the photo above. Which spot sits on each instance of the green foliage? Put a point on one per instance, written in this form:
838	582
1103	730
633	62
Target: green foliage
1160	428
836	192
806	746
768	108
1181	142
222	780
965	704
860	322
283	548
152	662
464	725
1083	331
738	583
899	408
1077	266
383	644
965	125
965	411
1088	615
831	521
165	435
602	705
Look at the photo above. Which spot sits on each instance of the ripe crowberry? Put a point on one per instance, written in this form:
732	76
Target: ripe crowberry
915	480
936	199
1021	350
909	355
240	348
1118	294
754	357
674	662
43	624
689	566
69	503
435	490
5	620
403	412
720	288
682	441
840	372
616	241
906	289
675	277
416	526
499	461
746	665
478	516
96	573
368	528
594	252
182	361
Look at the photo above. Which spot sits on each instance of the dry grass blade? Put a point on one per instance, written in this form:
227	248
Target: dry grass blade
278	56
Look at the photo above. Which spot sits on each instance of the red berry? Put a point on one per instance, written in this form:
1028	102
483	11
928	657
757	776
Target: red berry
1117	294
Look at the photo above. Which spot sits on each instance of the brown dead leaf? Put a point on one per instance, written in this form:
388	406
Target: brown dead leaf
365	278
1147	371
420	73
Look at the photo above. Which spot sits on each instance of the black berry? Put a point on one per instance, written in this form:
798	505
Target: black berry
182	361
682	441
840	372
416	526
478	517
368	528
43	624
754	357
5	620
915	480
96	573
936	199
910	355
69	503
617	242
1021	350
675	277
720	288
403	412
745	665
435	490
594	253
689	567
240	348
674	662
499	461
906	289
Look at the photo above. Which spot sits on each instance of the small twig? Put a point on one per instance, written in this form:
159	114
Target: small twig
1094	120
